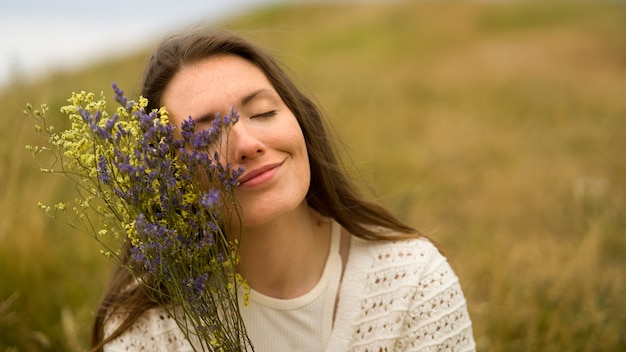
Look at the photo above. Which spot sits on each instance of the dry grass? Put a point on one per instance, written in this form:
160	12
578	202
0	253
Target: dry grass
496	128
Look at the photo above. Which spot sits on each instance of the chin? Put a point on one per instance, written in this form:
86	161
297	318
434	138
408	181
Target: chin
269	210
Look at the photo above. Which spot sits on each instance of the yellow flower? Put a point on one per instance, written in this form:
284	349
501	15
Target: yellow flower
131	233
43	207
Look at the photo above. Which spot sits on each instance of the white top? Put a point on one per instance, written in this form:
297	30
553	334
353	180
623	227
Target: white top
299	324
394	296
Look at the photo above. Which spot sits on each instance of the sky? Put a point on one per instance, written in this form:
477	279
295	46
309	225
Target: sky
38	36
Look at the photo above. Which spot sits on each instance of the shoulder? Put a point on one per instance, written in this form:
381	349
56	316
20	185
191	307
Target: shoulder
411	266
417	254
154	330
407	293
414	269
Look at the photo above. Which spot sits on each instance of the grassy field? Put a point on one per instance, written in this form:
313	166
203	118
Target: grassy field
498	129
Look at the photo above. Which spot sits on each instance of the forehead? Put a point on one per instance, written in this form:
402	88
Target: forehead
217	83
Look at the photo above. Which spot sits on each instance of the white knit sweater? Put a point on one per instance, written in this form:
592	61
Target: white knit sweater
394	296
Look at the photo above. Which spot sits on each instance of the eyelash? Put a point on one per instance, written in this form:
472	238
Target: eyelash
265	114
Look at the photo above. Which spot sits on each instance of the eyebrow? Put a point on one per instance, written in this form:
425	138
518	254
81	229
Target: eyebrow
244	101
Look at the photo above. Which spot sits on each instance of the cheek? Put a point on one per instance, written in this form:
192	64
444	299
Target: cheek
296	137
299	148
302	162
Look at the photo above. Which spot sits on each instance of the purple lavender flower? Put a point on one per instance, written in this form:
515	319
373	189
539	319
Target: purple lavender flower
210	199
104	173
121	98
173	191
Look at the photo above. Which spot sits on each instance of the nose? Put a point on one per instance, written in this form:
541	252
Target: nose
243	143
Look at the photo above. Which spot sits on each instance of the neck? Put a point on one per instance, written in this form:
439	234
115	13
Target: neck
285	257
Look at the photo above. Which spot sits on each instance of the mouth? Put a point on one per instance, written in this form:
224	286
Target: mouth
259	175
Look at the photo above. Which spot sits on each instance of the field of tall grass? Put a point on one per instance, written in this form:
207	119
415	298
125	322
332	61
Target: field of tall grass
498	129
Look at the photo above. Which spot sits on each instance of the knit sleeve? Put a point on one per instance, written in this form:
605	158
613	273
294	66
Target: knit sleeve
155	330
437	319
400	296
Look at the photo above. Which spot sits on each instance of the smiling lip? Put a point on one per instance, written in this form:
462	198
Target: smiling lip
259	175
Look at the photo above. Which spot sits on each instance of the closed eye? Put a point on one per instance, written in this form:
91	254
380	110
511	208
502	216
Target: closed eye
205	119
265	114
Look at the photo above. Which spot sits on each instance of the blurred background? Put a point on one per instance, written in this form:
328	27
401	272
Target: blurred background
497	128
39	36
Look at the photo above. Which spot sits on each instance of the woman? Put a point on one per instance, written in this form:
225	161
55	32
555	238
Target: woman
324	270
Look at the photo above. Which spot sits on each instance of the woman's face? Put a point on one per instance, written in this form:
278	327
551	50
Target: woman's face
266	142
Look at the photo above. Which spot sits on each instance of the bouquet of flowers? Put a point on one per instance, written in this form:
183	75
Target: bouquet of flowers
165	196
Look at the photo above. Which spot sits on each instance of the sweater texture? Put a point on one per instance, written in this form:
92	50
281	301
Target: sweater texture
394	296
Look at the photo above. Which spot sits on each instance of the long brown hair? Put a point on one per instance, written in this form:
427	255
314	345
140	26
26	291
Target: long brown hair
331	192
